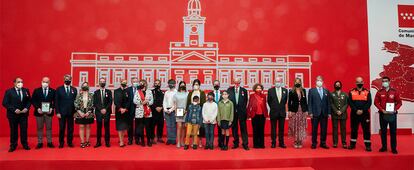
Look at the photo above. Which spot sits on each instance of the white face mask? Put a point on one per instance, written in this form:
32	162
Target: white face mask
196	87
319	83
385	84
194	103
135	84
44	85
278	85
19	85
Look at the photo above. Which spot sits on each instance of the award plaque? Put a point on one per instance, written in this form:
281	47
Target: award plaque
180	112
389	107
45	107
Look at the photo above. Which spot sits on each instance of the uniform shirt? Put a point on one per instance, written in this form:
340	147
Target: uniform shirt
360	100
383	97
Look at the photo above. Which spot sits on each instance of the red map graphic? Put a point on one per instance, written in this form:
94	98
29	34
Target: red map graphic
400	70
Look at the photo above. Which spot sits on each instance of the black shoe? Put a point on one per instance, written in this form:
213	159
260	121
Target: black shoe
246	148
149	144
368	149
50	145
235	147
70	145
39	145
195	147
143	144
383	150
394	151
107	144
206	147
282	146
186	147
129	142
313	147
351	147
97	145
335	145
211	147
26	147
168	142
160	140
12	149
137	143
61	145
324	146
87	144
273	145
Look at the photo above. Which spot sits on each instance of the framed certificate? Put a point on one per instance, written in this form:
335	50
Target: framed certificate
389	107
180	112
45	107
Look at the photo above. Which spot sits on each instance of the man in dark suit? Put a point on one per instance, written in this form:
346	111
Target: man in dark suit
132	106
65	108
157	112
319	110
239	96
217	98
102	101
277	98
44	95
17	102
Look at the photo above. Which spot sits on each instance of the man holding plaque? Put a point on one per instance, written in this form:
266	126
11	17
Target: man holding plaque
43	103
17	102
388	101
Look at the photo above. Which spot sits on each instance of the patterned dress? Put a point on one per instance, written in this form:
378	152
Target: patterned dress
84	104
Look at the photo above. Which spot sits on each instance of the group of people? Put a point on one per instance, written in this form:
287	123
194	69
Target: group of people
193	115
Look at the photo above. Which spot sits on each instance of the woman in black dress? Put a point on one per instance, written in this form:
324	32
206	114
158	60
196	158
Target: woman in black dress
84	115
121	102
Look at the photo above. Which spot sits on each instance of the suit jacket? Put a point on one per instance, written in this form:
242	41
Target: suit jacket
239	108
317	106
339	103
121	99
293	101
65	103
202	98
277	108
107	102
12	101
220	97
132	105
38	97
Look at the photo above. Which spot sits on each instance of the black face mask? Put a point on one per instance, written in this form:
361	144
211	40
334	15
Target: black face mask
360	85
67	82
157	86
85	88
102	85
183	88
216	87
123	85
171	86
338	88
140	87
297	85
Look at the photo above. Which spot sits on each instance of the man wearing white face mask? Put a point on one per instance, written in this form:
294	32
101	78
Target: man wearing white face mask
43	101
277	98
17	102
319	110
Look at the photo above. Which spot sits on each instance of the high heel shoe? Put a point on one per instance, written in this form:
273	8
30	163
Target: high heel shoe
87	144
82	145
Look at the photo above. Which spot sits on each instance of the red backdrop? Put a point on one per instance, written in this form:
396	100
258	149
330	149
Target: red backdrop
37	37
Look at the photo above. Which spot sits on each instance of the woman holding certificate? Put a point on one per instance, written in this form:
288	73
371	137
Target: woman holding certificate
180	102
84	115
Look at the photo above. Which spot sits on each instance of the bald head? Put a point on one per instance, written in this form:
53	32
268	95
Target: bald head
45	82
359	82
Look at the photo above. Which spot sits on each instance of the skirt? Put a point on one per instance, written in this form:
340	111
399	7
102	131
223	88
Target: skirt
224	124
179	119
84	121
121	121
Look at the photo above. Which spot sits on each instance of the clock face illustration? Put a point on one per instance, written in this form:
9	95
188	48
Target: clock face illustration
194	29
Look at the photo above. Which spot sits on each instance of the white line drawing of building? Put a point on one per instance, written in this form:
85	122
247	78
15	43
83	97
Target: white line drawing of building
193	58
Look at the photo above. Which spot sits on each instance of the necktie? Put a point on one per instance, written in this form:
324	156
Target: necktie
279	95
237	95
320	92
19	93
102	96
45	92
217	96
67	90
